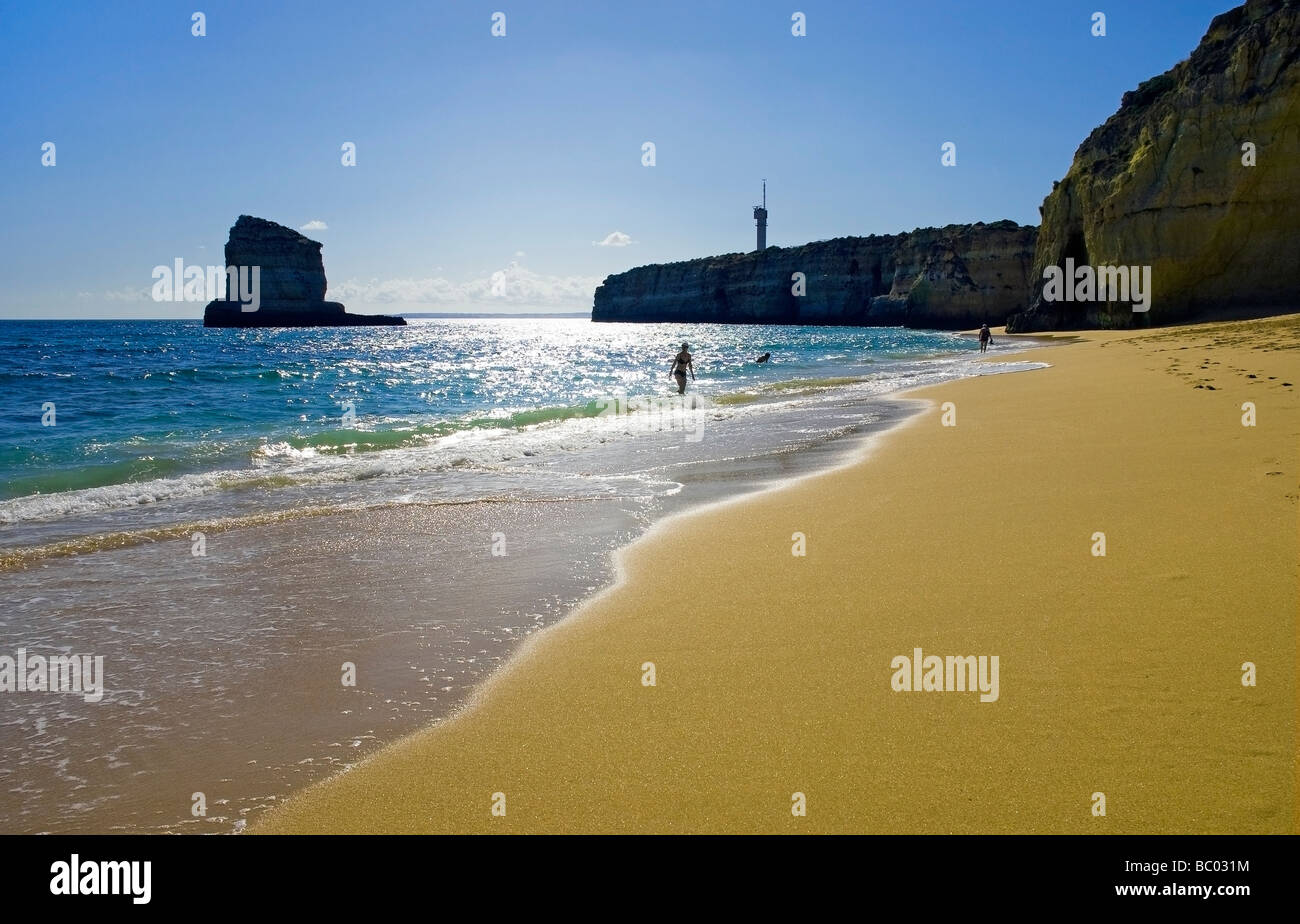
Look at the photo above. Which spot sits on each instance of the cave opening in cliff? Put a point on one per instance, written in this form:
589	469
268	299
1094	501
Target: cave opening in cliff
1076	247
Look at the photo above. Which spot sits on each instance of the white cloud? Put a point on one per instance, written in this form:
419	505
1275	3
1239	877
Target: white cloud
314	225
519	253
121	294
505	289
615	239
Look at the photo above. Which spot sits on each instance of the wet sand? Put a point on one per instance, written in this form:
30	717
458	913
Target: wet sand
1119	675
225	672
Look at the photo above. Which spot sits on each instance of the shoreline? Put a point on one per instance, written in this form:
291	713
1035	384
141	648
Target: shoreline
312	588
594	774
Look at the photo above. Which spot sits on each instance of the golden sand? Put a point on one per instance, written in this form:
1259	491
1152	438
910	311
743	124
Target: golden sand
1119	675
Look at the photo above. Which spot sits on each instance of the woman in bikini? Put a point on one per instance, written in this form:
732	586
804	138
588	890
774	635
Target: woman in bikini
681	365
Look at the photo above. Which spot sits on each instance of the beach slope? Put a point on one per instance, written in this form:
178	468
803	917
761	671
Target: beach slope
1118	674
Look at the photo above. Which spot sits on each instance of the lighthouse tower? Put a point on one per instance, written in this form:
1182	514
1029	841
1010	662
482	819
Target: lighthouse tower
760	217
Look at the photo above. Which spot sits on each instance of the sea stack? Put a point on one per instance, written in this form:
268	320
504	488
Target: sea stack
290	278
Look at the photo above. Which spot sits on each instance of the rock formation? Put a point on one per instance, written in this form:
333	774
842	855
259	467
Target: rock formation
954	277
291	282
1165	183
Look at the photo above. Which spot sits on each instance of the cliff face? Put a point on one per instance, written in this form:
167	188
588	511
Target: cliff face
1163	184
953	277
290	280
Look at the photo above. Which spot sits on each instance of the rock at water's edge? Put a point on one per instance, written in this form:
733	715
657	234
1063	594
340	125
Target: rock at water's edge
291	282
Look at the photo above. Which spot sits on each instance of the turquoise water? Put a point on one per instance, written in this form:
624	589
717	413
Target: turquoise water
150	414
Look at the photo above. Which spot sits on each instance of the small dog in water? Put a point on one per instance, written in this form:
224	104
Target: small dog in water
764	358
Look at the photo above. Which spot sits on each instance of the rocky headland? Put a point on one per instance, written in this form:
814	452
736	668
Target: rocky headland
1196	176
953	277
291	281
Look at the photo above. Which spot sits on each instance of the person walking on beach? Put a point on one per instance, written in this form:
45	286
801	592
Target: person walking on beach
986	337
682	364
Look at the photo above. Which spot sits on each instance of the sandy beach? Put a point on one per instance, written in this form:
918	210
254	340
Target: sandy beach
1118	674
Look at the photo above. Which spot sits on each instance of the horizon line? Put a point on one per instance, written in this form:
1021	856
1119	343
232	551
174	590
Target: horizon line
400	314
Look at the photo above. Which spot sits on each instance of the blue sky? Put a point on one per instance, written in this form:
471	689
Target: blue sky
479	154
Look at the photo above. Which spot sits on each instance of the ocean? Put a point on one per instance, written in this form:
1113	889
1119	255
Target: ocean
234	519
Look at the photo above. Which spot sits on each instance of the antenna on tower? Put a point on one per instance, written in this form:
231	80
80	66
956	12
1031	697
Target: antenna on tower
760	219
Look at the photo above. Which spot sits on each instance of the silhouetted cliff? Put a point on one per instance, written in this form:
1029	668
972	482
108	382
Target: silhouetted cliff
954	277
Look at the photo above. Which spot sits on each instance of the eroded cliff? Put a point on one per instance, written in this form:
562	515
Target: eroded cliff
1196	177
953	277
1166	182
